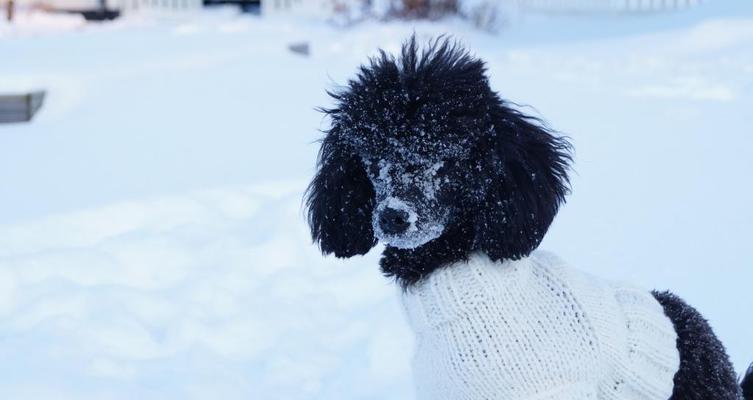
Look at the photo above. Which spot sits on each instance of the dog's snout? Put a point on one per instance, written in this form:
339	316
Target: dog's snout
394	221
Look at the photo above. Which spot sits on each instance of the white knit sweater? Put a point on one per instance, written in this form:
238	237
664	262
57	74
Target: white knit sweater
537	329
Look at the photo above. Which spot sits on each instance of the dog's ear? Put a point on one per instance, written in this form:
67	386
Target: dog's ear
525	180
340	201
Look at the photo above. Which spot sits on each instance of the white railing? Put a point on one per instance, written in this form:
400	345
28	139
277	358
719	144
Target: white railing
605	6
311	7
155	5
122	5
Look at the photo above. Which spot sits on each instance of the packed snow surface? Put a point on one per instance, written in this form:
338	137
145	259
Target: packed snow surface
152	242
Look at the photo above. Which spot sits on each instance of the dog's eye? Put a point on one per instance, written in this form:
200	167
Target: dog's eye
372	168
446	166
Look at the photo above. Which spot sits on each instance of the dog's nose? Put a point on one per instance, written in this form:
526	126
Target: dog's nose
393	221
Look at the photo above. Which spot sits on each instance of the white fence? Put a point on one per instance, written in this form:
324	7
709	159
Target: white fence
155	5
268	6
325	7
122	5
605	6
311	7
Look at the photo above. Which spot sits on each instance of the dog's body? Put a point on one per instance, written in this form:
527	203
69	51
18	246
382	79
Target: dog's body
423	156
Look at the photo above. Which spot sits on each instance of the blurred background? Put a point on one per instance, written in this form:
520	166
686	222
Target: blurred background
153	156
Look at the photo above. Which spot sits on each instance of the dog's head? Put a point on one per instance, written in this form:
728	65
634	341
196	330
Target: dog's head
423	156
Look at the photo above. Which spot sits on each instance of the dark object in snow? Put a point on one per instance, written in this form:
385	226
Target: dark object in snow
10	10
747	384
246	6
424	156
705	370
301	48
20	107
98	14
417	9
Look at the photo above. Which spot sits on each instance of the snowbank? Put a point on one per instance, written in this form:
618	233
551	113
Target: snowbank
214	293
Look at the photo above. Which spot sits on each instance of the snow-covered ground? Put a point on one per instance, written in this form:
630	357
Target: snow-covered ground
152	241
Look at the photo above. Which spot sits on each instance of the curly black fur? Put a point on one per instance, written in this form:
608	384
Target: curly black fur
705	370
340	201
747	384
409	266
506	171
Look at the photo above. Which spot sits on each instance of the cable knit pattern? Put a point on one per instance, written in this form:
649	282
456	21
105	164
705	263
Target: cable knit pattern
537	329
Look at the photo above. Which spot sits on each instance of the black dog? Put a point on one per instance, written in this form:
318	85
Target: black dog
425	157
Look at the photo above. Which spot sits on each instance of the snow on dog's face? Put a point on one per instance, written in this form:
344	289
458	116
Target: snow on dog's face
411	206
423	156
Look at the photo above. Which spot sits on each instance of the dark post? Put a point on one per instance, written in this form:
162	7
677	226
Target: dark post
10	10
29	109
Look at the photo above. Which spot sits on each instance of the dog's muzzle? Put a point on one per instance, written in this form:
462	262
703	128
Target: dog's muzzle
397	224
394	221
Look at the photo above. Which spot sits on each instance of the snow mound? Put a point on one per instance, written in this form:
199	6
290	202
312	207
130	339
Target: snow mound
214	294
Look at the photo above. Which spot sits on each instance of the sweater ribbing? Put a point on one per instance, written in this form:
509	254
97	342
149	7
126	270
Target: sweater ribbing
537	329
